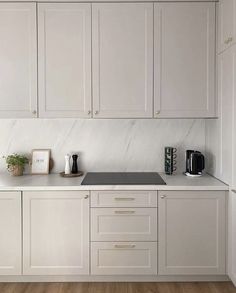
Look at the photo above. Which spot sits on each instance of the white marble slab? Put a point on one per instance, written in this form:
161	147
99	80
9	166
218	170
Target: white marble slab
116	145
55	182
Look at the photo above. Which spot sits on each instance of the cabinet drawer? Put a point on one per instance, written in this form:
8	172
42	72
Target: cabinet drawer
124	224
129	258
124	198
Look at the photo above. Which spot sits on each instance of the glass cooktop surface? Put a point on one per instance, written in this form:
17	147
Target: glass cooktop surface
123	178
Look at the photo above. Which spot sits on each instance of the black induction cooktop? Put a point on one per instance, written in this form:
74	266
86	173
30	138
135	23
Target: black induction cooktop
123	178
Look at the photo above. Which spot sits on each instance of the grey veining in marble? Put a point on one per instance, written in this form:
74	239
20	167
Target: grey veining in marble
104	145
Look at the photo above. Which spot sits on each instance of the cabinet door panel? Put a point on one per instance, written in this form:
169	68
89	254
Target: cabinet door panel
227	24
122	60
184	66
10	231
232	237
56	233
227	80
232	195
191	233
18	60
65	60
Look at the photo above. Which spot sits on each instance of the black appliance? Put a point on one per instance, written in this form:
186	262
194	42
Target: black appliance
195	163
123	178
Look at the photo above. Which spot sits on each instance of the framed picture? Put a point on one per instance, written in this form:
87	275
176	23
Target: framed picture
40	161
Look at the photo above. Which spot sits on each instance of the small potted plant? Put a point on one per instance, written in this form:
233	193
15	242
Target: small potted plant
16	164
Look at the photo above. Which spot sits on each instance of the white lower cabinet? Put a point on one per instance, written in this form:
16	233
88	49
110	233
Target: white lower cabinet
191	233
10	233
232	253
124	258
56	233
188	238
124	232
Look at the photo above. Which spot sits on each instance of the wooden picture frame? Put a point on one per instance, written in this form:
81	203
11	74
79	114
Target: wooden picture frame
40	159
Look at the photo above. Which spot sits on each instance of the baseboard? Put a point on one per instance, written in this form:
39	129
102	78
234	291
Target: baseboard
215	278
233	279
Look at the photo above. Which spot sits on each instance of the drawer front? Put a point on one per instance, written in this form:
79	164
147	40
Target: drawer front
124	224
127	258
124	199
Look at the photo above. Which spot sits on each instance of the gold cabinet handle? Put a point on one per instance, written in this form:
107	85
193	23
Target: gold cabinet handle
125	212
229	40
124	245
124	198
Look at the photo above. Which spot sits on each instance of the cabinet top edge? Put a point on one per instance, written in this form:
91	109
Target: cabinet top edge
103	1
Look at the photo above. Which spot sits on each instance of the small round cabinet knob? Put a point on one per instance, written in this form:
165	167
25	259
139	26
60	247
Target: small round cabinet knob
157	112
34	112
163	196
89	112
86	196
96	112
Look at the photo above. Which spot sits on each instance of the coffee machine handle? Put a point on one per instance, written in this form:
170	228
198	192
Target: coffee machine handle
203	162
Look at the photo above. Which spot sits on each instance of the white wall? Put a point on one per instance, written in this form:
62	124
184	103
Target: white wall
104	145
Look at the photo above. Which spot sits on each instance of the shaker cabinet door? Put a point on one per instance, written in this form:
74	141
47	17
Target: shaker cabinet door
192	233
122	35
56	233
184	54
18	60
232	236
227	96
10	231
64	48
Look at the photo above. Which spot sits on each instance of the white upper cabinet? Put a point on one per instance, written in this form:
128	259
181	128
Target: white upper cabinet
18	60
227	24
122	36
64	48
10	231
184	60
56	233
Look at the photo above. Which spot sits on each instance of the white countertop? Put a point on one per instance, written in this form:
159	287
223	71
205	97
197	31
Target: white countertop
56	182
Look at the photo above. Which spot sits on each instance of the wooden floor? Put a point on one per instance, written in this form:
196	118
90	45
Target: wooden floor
224	287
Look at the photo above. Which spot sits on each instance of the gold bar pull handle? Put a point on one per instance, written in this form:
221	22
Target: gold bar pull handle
124	198
125	212
124	245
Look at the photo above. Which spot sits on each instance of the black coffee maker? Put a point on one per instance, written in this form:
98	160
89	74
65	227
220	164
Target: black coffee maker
195	163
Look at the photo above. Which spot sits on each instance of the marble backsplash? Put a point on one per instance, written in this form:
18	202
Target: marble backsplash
104	145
